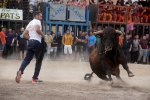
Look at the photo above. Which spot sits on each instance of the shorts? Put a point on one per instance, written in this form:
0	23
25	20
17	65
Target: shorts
79	48
67	48
22	47
48	49
53	49
2	47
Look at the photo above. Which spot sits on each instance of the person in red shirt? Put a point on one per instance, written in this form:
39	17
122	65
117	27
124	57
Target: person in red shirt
143	45
2	40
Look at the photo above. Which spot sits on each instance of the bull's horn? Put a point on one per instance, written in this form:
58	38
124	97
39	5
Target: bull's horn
119	32
98	32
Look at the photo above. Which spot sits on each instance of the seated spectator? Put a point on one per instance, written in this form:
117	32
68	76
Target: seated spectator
11	4
31	11
19	4
34	3
128	3
120	3
50	2
91	2
110	2
74	2
82	3
101	2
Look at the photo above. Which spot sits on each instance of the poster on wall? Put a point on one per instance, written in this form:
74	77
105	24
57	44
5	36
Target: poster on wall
57	12
11	14
77	13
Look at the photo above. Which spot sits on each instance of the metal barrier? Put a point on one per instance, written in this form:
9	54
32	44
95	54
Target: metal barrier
58	18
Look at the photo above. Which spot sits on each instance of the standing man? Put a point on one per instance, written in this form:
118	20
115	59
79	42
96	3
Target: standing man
59	49
79	48
9	43
127	47
22	44
67	42
34	34
143	45
48	40
91	42
2	40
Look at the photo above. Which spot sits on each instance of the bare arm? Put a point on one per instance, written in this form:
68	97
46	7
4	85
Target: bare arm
25	34
39	31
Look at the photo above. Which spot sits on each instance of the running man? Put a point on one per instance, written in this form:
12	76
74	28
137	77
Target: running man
34	34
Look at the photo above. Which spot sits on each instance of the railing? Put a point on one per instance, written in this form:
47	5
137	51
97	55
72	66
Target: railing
123	14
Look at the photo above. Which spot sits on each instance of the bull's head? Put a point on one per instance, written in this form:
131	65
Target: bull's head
109	37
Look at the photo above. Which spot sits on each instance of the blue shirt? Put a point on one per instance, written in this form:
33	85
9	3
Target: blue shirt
91	40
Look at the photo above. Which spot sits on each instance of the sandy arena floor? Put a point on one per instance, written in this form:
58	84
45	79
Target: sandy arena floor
64	81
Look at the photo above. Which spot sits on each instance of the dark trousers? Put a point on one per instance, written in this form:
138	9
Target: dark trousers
9	50
135	55
34	47
127	54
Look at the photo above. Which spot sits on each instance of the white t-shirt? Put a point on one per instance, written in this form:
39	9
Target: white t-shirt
32	31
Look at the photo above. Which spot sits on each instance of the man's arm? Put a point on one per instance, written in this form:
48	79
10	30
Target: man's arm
25	34
39	31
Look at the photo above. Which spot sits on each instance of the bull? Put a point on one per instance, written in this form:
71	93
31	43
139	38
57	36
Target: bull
106	58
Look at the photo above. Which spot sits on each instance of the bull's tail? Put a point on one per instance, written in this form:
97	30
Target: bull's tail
88	76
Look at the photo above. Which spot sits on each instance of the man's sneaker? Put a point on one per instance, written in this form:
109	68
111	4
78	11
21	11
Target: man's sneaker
19	73
36	81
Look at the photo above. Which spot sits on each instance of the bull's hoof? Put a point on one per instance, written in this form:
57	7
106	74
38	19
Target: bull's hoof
110	82
88	77
130	75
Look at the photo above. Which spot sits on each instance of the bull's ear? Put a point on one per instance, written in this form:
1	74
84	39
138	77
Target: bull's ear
117	32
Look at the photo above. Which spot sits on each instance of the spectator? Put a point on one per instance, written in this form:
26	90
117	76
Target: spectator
10	4
73	44
50	2
120	3
101	2
83	3
128	3
110	2
54	44
135	49
59	46
19	4
22	44
2	40
48	40
91	42
143	50
148	56
74	2
34	3
127	47
67	42
31	11
147	3
79	47
9	43
91	2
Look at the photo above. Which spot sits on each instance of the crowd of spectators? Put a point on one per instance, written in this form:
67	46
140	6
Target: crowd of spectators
70	46
137	11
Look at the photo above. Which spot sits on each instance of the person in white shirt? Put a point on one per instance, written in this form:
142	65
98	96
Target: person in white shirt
34	34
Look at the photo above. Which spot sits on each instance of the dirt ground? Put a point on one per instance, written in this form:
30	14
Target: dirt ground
65	81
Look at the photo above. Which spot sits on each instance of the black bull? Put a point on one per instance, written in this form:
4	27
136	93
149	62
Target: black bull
106	58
